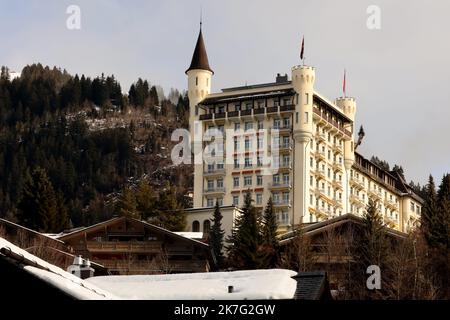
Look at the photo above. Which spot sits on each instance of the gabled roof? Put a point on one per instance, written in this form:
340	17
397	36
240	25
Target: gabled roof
101	225
200	57
24	269
319	227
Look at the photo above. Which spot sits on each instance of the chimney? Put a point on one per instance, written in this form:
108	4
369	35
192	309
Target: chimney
81	268
281	79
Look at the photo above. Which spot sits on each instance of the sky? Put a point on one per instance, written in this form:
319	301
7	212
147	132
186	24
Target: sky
399	73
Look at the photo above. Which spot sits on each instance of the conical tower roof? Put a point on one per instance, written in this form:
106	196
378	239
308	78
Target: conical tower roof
200	57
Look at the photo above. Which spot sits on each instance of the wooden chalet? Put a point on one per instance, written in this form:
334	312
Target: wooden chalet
128	246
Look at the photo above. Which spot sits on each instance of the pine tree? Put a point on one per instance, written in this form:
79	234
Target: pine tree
169	214
216	235
39	204
270	226
371	248
127	204
145	201
246	238
430	223
443	197
270	244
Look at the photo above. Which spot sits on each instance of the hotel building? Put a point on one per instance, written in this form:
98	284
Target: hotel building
286	141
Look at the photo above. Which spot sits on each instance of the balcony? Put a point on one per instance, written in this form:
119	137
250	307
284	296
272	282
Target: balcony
391	203
272	109
286	108
337	166
246	113
357	200
356	182
283	128
336	184
319	173
208	116
320	137
319	155
337	148
119	246
284	221
337	202
374	193
282	204
280	186
210	172
211	191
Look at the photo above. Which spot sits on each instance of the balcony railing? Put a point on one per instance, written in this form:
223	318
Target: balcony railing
215	171
282	203
280	185
118	246
214	190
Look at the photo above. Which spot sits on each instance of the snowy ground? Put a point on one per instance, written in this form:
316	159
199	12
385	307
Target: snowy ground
251	285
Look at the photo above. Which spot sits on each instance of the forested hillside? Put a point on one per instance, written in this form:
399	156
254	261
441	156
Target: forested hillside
73	144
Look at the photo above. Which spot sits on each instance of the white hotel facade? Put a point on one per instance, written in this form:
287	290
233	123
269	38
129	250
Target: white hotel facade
286	141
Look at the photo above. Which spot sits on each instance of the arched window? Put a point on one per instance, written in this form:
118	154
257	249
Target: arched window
195	226
206	226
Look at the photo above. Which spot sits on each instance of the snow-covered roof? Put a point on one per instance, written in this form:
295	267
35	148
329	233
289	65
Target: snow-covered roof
68	283
251	285
191	235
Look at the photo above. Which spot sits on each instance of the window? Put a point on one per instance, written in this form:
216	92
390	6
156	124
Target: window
286	161
195	226
236	144
311	180
260	143
276	179
286	141
237	107
286	178
210	184
259	180
247	180
260	125
285	197
220	201
276	123
248	144
259	161
235	200
210	202
236	182
196	81
248	126
286	122
237	126
311	162
259	198
276	198
236	163
412	207
306	117
248	162
206	226
307	98
219	183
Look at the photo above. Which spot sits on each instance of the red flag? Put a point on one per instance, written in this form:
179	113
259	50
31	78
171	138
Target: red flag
303	49
344	84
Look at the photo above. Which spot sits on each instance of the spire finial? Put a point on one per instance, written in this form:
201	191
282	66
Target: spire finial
201	17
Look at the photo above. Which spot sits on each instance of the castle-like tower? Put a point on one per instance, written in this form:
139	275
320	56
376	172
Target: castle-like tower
199	87
318	174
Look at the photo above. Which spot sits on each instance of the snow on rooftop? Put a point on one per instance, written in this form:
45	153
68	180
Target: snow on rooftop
251	285
72	285
190	235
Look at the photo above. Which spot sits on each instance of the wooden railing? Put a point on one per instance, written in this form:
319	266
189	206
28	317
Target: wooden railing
108	246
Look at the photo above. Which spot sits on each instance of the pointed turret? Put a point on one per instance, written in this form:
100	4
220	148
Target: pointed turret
200	57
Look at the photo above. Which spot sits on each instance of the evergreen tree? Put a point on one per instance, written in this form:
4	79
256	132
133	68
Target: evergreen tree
371	248
216	235
246	238
127	204
169	214
39	204
145	201
430	223
443	196
269	235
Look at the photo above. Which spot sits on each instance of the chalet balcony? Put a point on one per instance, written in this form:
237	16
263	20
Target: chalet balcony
280	186
272	109
232	114
212	191
125	246
153	267
259	111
